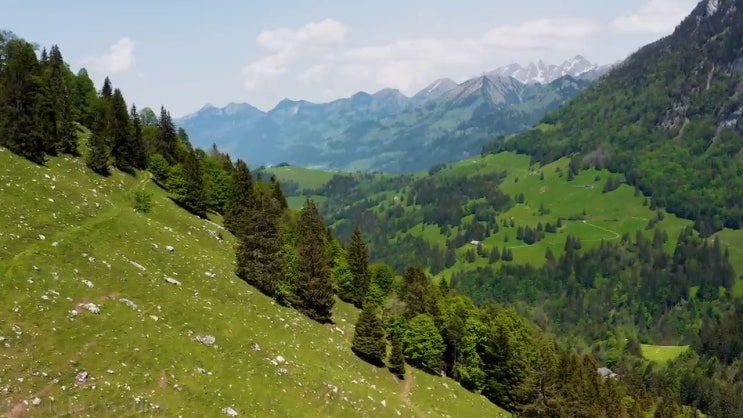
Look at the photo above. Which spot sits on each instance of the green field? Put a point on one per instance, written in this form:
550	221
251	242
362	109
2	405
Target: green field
70	238
662	354
306	178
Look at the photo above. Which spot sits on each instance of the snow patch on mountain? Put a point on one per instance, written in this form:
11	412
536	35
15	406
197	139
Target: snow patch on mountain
545	73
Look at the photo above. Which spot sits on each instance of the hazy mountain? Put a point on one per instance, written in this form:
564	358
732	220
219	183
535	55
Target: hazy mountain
387	130
546	73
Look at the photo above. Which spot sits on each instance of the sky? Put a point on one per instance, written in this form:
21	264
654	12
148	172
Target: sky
185	54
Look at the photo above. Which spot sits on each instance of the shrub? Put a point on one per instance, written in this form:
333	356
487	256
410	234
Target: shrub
142	201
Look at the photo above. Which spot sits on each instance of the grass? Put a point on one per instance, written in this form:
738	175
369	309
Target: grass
662	354
63	228
306	178
733	240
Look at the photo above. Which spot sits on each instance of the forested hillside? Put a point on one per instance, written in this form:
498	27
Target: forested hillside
670	118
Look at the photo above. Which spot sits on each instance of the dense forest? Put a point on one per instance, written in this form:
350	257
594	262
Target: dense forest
670	118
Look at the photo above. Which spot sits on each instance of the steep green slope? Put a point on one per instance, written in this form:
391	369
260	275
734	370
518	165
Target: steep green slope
70	238
670	118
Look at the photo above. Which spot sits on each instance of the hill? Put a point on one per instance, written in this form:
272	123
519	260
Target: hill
385	131
70	238
670	118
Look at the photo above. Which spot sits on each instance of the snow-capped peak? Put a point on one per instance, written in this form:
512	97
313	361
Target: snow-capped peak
545	73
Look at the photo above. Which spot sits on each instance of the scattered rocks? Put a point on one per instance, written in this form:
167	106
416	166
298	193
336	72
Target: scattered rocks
282	371
255	347
73	313
170	249
55	243
155	318
280	360
36	268
128	303
172	281
42	237
88	283
206	339
90	307
36	402
384	403
211	275
137	265
229	412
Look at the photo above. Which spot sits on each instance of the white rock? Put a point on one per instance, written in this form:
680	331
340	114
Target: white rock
73	312
155	318
81	377
36	402
255	347
91	307
172	281
170	249
229	411
384	403
210	274
280	359
206	339
55	243
42	237
128	303
88	283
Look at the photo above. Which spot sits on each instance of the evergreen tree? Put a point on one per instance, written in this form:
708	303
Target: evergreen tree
314	289
369	341
60	89
84	98
358	261
278	194
416	293
241	198
19	127
397	358
107	90
99	151
260	257
193	197
139	148
167	144
122	150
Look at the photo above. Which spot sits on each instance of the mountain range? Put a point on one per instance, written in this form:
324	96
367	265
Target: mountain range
389	131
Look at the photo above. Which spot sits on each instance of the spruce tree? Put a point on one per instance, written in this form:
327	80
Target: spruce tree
98	157
122	150
369	341
314	290
60	88
358	262
139	148
167	144
259	250
19	130
194	194
397	358
84	98
241	197
278	194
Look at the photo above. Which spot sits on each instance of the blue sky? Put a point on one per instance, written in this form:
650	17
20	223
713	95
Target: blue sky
184	54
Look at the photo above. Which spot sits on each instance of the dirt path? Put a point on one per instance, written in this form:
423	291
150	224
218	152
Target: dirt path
405	393
616	234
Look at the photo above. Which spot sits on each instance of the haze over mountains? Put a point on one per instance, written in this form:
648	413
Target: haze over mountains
387	130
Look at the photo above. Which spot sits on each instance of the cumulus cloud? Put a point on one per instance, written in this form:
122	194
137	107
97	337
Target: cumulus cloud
655	17
286	45
119	59
541	34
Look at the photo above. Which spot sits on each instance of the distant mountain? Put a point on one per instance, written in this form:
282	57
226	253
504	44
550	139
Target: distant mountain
385	131
546	73
670	117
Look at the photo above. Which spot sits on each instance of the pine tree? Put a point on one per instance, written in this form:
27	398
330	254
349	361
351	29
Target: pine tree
278	194
18	92
107	90
259	249
98	157
194	194
241	197
358	262
84	98
314	290
60	88
369	341
122	150
167	144
397	358
139	148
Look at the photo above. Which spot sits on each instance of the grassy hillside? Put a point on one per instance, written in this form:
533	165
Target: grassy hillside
70	238
305	178
663	354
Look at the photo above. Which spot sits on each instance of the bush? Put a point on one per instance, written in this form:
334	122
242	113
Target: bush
142	201
159	168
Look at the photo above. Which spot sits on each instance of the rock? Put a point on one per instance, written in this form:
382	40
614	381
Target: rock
137	265
90	307
81	378
36	402
172	281
55	243
210	275
280	359
128	303
255	347
42	237
206	339
36	268
229	411
282	371
73	312
91	260
170	249
109	371
155	318
384	403
88	283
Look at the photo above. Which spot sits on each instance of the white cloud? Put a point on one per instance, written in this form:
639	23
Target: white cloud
655	17
312	73
120	58
542	34
288	44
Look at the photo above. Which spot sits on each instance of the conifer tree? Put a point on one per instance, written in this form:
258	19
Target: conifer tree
84	98
98	157
278	194
358	262
139	148
61	93
107	90
194	194
369	341
122	150
18	92
167	144
241	198
314	290
259	250
397	358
